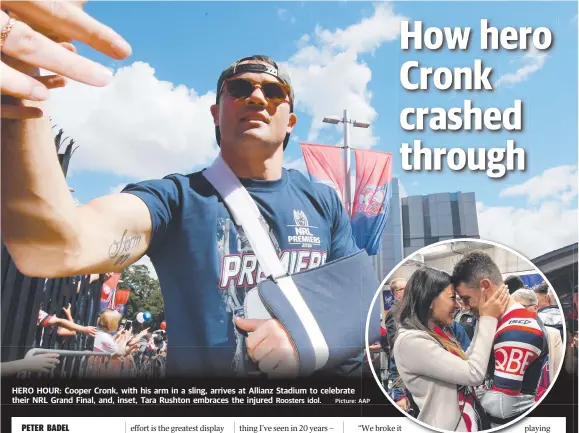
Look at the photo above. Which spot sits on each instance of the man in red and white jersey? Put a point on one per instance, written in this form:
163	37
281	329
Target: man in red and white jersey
520	344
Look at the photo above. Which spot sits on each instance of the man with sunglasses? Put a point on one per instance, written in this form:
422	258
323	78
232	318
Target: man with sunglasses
204	262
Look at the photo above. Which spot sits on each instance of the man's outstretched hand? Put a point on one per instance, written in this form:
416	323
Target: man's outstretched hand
39	39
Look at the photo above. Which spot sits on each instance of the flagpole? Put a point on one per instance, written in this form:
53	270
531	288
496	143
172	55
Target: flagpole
347	180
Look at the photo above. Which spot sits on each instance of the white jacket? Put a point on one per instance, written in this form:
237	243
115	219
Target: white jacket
432	374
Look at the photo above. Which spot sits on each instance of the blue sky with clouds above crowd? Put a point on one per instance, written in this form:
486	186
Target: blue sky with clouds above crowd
154	118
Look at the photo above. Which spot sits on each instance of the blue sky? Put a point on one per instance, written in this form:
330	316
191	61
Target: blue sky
341	55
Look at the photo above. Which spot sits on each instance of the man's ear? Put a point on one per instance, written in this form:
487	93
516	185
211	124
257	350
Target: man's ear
215	113
486	284
293	119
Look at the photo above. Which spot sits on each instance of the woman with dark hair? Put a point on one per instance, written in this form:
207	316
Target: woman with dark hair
434	368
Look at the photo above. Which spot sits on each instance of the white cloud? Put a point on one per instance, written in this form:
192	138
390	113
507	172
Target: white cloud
532	232
548	222
531	62
365	36
304	40
145	260
560	182
342	82
284	15
328	75
138	126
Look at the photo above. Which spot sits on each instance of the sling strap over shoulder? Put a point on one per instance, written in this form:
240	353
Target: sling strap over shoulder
247	215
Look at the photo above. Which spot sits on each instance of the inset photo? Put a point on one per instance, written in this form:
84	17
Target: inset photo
473	336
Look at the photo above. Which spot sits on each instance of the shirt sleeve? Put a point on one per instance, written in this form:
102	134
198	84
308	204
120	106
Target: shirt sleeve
516	346
162	198
409	351
518	342
43	318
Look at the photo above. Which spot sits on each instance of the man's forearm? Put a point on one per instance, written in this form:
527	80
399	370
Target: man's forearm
37	208
11	367
63	332
71	326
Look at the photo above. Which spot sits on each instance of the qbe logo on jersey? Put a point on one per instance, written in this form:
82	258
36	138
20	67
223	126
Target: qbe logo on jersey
512	359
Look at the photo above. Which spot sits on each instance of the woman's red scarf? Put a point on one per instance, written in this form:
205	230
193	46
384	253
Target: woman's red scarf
445	335
466	401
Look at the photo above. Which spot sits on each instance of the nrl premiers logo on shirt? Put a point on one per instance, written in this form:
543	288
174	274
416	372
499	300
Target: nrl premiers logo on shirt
303	231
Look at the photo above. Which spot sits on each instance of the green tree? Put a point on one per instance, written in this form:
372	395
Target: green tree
145	294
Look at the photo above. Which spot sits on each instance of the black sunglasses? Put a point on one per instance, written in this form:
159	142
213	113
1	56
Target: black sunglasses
241	88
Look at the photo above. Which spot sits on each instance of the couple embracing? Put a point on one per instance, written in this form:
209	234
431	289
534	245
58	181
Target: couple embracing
492	382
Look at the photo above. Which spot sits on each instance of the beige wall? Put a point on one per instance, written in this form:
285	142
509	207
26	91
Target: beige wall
507	262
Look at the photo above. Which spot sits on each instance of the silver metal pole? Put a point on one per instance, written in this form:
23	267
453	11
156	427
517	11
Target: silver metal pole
348	198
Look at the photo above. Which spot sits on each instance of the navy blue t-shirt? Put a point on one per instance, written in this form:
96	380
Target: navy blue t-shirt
205	264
